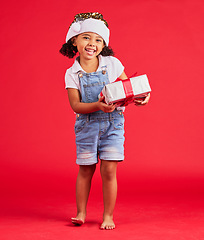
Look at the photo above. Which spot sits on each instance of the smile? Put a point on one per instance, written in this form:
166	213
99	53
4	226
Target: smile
90	51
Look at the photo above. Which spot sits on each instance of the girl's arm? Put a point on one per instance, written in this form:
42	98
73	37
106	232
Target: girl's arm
123	76
80	107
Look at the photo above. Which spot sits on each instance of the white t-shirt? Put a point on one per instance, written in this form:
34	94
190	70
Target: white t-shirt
114	68
113	65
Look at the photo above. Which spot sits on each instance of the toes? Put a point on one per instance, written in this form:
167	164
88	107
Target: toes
110	227
102	227
77	222
107	227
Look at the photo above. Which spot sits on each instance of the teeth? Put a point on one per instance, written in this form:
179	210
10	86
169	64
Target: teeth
90	50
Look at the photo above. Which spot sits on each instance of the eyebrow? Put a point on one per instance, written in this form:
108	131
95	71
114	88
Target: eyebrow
86	34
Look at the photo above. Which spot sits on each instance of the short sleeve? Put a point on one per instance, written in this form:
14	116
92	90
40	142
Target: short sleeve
119	66
71	81
115	68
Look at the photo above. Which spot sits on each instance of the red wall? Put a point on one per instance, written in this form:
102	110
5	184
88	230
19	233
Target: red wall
164	140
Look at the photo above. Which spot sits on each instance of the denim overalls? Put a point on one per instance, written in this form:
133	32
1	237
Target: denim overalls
98	134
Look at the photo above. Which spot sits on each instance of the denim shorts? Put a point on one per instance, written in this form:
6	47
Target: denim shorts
99	135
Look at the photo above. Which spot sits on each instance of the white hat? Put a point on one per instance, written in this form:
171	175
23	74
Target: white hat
89	25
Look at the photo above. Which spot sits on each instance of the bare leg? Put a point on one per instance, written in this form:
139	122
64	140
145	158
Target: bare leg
83	186
108	174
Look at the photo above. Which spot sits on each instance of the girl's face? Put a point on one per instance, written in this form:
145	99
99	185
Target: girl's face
89	45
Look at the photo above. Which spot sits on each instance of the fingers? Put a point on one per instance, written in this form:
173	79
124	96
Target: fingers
101	99
105	107
146	99
108	108
140	102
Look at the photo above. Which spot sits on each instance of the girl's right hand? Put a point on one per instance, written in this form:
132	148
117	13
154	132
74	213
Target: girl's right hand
105	107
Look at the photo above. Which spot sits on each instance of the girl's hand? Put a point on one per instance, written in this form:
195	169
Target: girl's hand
105	107
140	102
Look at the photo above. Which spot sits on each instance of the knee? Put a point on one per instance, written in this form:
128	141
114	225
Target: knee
108	172
87	171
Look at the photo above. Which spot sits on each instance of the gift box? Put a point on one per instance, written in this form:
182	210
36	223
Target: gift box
123	92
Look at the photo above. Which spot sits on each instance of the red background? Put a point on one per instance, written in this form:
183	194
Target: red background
164	140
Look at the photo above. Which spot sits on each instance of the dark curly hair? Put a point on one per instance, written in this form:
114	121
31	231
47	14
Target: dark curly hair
69	50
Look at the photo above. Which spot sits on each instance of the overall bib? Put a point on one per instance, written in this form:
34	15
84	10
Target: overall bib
98	134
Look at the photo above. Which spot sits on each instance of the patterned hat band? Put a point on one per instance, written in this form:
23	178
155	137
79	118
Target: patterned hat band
89	23
83	16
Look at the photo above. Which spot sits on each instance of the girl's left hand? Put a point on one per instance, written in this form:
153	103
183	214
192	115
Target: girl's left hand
140	102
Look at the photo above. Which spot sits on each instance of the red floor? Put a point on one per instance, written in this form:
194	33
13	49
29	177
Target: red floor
144	217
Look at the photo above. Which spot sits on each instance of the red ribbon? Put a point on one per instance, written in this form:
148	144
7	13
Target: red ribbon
128	91
127	88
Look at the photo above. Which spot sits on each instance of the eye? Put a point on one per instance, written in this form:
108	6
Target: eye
98	40
85	37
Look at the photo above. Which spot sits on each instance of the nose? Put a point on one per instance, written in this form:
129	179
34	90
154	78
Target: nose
91	43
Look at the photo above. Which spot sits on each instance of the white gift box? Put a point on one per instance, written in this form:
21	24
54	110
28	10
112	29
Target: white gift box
123	92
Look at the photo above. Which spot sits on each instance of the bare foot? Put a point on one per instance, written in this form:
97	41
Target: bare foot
107	224
79	219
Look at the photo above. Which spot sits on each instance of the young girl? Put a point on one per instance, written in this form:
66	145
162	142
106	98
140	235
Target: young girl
99	128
